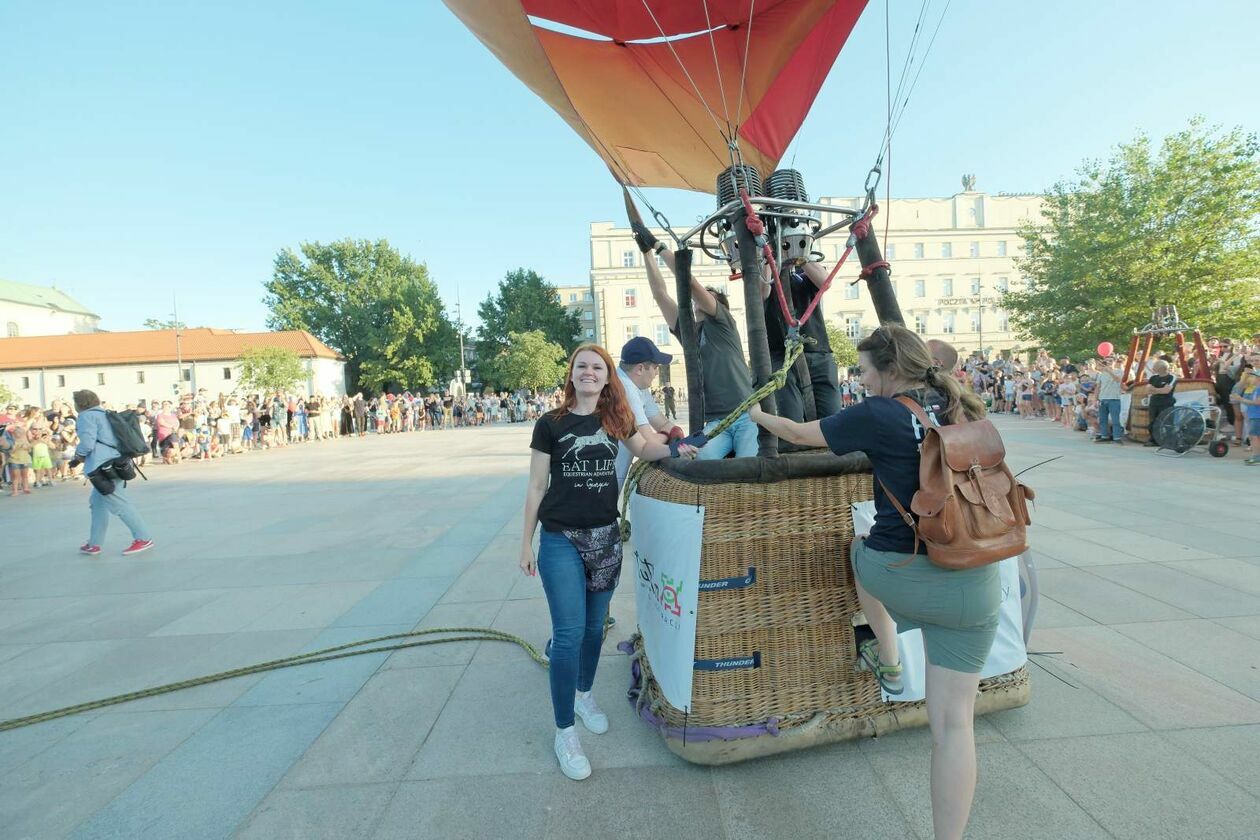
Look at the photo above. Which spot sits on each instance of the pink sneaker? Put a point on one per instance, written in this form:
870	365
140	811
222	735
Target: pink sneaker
136	547
88	548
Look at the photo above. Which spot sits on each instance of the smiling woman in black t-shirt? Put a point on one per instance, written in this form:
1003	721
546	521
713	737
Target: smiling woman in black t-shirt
899	589
573	493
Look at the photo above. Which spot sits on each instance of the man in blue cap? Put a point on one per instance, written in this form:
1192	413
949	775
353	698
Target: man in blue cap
641	361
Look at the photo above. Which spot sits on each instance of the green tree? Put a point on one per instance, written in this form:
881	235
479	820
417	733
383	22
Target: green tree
266	369
7	396
524	302
842	347
158	324
528	360
1174	224
376	307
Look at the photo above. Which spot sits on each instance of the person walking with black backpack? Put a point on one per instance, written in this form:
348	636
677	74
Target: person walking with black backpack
99	448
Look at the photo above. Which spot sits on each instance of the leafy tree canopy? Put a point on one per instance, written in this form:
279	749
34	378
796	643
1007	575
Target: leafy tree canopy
524	302
1173	224
269	369
376	307
528	360
158	324
6	396
842	347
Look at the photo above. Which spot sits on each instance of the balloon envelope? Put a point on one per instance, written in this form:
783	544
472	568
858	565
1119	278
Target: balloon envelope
613	78
1106	348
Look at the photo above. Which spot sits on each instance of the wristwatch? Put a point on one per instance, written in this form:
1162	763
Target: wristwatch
658	247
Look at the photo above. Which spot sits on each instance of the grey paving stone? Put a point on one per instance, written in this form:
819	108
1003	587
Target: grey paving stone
400	601
43	665
1248	625
498	720
1074	550
919	738
1050	613
477	614
316	605
335	681
490	581
213	780
377	735
1134	541
528	619
1102	600
345	812
18	746
1185	591
1232	751
97	761
1151	767
1230	572
1062	706
230	611
1013	798
1048	516
457	809
658	801
1158	691
1229	657
831	791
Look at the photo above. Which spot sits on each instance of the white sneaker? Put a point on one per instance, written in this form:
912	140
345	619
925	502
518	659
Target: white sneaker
573	761
590	715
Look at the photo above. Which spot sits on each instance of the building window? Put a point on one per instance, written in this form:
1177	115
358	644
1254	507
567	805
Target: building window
572	297
631	298
590	333
12	329
920	324
632	330
587	315
1003	285
139	377
227	373
975	322
662	335
918	250
61	380
1002	248
947	323
26	383
587	296
853	327
920	288
975	249
975	285
660	261
947	287
947	249
100	379
1004	322
892	253
627	259
851	291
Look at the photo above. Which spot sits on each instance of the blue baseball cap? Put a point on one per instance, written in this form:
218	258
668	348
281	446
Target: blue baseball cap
642	349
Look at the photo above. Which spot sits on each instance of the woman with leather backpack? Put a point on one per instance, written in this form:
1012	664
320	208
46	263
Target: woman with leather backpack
898	586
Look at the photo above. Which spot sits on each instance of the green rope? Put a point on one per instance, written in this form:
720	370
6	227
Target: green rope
795	346
323	655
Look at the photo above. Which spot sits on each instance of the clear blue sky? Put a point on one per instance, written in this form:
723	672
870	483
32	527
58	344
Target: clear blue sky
149	149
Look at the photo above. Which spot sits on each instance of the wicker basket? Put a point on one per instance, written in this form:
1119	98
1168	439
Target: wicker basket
1139	414
793	524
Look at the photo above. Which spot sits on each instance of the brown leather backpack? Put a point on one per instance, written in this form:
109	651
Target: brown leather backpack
971	510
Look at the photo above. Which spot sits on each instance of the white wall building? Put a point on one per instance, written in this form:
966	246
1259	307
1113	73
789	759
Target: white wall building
27	310
124	367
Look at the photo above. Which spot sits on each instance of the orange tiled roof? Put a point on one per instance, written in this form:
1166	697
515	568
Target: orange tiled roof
197	344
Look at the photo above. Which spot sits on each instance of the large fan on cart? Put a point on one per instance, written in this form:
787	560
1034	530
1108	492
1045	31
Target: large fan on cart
1182	428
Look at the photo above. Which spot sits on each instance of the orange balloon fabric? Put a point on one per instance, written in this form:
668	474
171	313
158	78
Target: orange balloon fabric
618	84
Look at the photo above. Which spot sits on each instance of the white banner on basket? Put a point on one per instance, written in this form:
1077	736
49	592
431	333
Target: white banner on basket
665	543
1008	652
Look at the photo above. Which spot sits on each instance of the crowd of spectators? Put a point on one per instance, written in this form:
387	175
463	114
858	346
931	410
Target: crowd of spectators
37	444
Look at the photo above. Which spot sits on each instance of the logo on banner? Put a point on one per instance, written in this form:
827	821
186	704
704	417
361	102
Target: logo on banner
666	592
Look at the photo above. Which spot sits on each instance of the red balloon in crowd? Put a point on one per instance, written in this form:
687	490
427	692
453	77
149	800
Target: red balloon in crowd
1106	348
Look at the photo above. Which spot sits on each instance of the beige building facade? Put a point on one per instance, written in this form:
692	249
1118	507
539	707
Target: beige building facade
952	260
580	300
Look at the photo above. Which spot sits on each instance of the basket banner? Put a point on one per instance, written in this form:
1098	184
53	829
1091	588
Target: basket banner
666	539
741	582
1199	400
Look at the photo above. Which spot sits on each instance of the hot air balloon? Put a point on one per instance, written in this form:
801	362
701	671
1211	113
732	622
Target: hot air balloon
706	95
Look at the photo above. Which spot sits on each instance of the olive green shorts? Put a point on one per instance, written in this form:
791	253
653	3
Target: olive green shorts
957	610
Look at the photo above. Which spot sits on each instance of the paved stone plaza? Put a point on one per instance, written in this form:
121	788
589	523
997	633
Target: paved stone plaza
1146	725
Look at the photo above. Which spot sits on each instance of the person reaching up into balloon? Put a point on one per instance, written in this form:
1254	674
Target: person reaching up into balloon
572	491
727	380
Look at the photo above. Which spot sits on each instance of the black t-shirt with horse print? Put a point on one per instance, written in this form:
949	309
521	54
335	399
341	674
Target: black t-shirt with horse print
582	492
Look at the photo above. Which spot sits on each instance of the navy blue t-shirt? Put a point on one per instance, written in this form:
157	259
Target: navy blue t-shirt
890	435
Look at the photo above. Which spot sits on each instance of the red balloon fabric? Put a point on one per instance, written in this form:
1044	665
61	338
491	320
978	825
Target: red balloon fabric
1106	348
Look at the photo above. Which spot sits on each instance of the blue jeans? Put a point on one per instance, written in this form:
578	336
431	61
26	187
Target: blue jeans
118	504
577	622
741	437
1109	419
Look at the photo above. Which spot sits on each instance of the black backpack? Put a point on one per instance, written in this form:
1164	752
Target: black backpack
126	427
